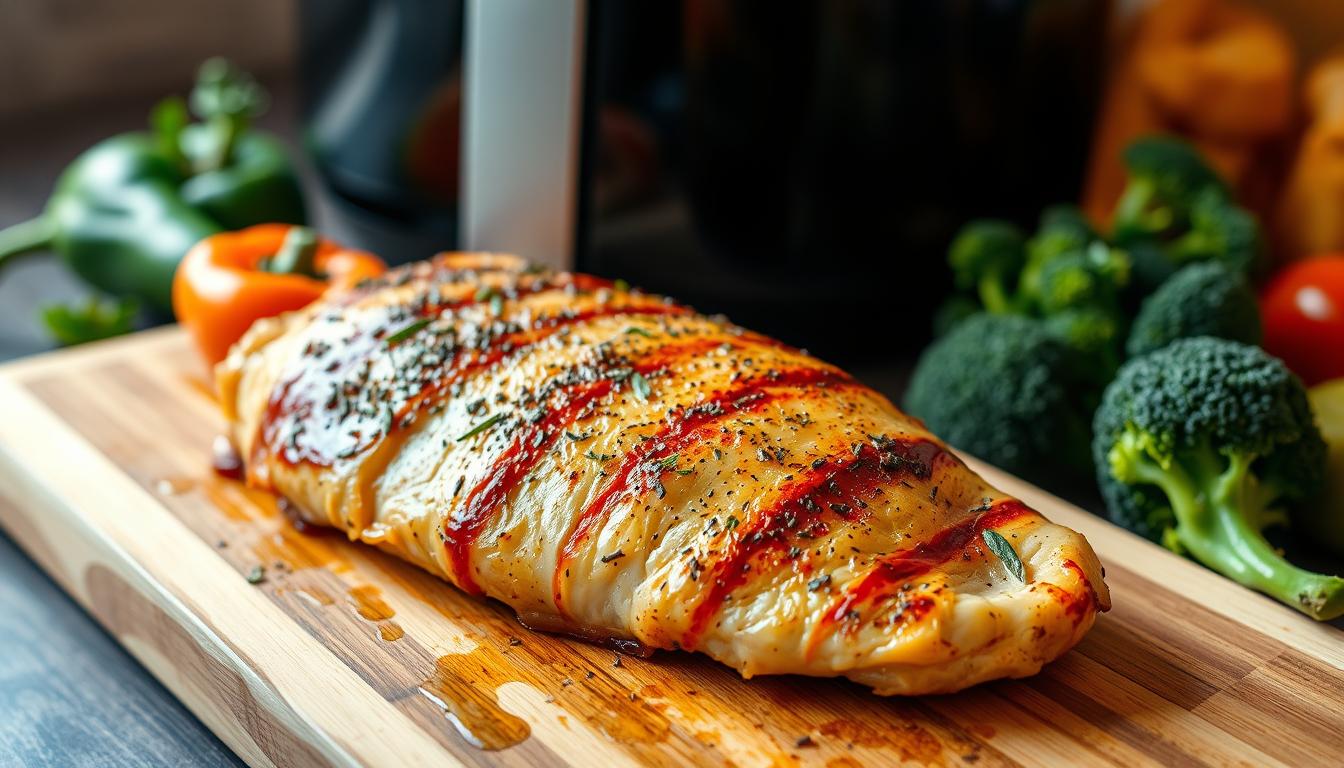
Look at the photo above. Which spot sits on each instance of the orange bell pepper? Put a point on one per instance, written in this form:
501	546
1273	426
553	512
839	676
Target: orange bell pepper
228	281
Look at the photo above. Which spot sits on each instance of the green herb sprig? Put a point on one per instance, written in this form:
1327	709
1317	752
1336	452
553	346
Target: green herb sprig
483	426
1001	547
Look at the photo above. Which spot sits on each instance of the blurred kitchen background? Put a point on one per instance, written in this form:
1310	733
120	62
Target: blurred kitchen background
799	166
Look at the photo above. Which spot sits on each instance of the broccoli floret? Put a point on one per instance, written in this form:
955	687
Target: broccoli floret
1078	299
1063	232
1207	299
1091	277
1219	231
1203	444
1063	229
1165	177
1002	388
1175	211
986	257
1095	333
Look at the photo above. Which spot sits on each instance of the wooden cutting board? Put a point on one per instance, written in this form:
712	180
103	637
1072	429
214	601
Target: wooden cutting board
302	648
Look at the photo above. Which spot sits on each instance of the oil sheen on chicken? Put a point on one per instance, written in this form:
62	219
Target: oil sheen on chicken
610	463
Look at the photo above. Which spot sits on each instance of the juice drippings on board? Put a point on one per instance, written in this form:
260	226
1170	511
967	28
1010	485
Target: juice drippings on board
470	704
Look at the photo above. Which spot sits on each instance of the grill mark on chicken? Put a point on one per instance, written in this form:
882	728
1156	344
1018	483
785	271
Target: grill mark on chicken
889	576
311	419
519	458
641	466
843	486
535	438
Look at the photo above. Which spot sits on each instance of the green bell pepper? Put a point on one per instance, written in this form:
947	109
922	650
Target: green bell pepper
127	210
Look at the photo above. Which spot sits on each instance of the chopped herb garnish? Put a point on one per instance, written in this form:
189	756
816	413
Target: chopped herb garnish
621	285
599	457
732	523
1001	547
618	554
640	386
669	463
496	305
256	575
684	472
484	425
484	292
636	330
818	583
407	332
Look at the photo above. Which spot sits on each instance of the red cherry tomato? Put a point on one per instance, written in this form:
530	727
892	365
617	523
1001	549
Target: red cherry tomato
1303	308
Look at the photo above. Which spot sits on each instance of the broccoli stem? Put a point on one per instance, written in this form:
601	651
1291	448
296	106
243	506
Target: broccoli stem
1138	209
1219	508
995	297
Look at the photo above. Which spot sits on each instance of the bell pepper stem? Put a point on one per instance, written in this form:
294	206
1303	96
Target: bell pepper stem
297	254
26	237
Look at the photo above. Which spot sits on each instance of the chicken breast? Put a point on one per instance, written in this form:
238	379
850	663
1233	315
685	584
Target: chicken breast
614	465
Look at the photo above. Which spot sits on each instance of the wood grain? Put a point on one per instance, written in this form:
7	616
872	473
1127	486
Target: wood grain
342	655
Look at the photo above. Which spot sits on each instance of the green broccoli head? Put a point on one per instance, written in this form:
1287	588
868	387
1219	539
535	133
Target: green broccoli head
1204	443
1004	389
1095	333
1165	176
1063	229
986	256
1064	233
1219	230
1175	211
1206	299
1090	277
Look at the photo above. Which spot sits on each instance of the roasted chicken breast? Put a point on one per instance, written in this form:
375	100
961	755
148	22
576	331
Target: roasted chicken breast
609	462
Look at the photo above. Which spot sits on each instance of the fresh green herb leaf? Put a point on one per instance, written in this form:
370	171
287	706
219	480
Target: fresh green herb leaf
407	332
668	463
599	457
684	472
733	522
1001	547
484	425
256	575
819	583
640	386
621	285
579	437
637	331
496	305
93	321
